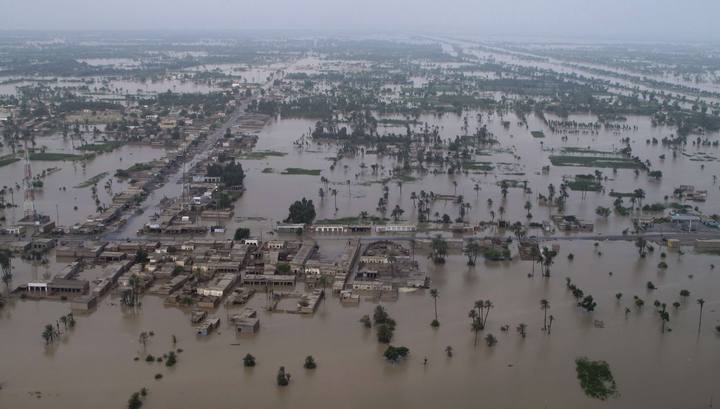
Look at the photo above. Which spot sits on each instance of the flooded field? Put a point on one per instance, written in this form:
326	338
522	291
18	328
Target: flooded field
441	172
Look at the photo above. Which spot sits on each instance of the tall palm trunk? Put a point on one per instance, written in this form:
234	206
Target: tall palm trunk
700	320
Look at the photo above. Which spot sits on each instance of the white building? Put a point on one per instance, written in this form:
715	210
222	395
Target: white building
396	228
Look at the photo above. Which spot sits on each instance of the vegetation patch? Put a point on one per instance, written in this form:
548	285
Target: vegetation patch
354	220
101	147
478	165
93	180
8	160
258	155
301	171
394	354
595	378
584	183
56	156
596	162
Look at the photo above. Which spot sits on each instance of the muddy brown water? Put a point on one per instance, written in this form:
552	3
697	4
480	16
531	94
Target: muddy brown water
92	366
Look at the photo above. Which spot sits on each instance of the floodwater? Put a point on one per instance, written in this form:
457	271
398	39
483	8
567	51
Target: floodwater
92	366
520	158
69	175
648	366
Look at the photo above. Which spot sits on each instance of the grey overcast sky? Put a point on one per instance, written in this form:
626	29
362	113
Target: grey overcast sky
694	20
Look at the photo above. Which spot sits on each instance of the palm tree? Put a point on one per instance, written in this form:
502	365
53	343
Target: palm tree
664	316
472	250
550	324
6	267
334	194
476	188
544	305
324	281
439	249
475	325
641	244
48	334
522	329
397	212
449	351
434	294
528	207
701	302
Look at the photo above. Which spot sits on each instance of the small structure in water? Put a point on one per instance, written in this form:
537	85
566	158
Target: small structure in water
207	326
246	322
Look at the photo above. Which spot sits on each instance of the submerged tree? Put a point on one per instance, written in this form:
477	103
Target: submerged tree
664	316
283	378
48	334
478	316
439	249
394	354
248	361
310	362
701	303
545	305
6	267
434	294
472	251
522	329
302	211
595	378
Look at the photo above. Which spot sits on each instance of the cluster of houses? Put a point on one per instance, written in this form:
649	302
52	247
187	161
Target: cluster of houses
345	228
385	266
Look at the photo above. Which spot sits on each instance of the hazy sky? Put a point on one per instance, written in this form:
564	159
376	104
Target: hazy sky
608	19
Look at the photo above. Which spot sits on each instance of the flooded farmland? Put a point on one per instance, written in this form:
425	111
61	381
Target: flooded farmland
177	226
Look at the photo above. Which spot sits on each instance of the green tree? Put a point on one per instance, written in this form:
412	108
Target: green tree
394	354
6	267
384	333
248	361
241	233
48	334
134	402
310	362
283	378
171	359
595	378
439	249
302	211
472	250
